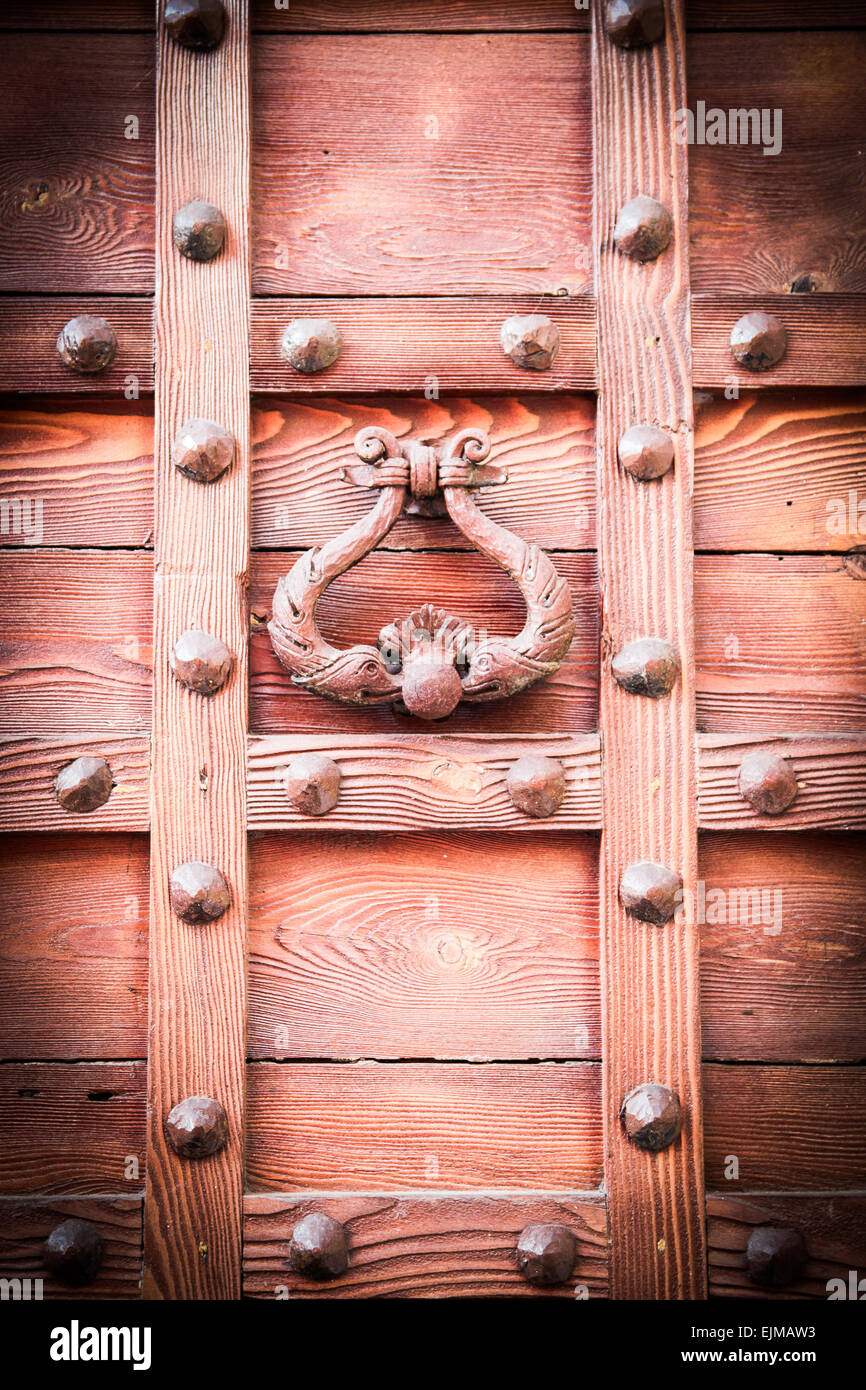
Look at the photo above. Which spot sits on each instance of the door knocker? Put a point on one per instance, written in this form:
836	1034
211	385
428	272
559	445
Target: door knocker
428	661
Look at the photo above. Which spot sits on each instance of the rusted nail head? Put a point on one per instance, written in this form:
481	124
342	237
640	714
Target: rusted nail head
73	1253
199	230
646	452
536	785
634	23
311	345
196	1127
87	344
195	23
767	782
649	666
651	1116
319	1248
202	450
531	341
546	1254
201	662
650	892
776	1255
759	341
84	785
431	688
198	892
643	229
312	783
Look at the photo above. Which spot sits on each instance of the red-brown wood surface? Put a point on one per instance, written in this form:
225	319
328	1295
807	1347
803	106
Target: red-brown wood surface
831	782
833	1227
826	340
29	326
24	1226
28	772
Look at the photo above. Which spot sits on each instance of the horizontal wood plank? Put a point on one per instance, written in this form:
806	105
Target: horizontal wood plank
773	14
24	1227
782	921
28	770
543	442
370	16
452	1246
826	339
29	327
473	947
70	1128
365	1126
84	14
831	780
73	947
833	1226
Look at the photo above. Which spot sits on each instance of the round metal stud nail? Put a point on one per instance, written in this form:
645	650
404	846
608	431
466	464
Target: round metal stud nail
650	892
196	1127
87	344
651	1116
201	662
759	341
202	450
195	23
311	345
646	452
199	230
776	1255
649	667
198	892
634	23
84	785
312	783
767	782
431	686
319	1248
546	1254
536	785
74	1252
531	341
643	229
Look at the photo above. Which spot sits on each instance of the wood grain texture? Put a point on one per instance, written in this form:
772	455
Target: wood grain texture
75	653
833	1225
831	778
424	1247
76	195
73	947
476	947
70	1128
777	470
773	14
84	14
544	442
655	1203
783	947
28	330
29	767
198	803
424	345
24	1227
87	471
365	1126
360	16
779	644
758	222
423	782
387	586
826	340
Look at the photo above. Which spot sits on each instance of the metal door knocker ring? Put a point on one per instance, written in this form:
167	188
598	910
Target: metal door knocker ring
429	661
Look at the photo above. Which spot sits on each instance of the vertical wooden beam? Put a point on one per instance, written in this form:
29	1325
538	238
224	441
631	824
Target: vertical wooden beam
192	1238
651	1023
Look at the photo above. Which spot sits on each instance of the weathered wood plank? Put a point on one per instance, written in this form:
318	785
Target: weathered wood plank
831	776
783	947
790	1128
84	14
655	1205
71	1128
759	221
833	1226
365	1126
477	948
362	16
779	644
198	802
425	782
82	474
545	443
28	330
76	192
780	471
386	586
773	14
424	1247
75	650
24	1226
28	770
826	340
73	947
403	183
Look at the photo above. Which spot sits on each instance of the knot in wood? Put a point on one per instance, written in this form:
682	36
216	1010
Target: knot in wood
776	1255
546	1254
650	892
634	23
536	785
768	782
199	230
74	1252
195	23
198	892
651	1116
84	785
643	229
319	1248
87	344
197	1127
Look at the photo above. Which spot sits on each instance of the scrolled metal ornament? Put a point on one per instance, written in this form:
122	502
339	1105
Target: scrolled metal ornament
428	661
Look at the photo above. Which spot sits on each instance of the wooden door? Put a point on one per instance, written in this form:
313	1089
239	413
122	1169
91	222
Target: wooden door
422	1001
